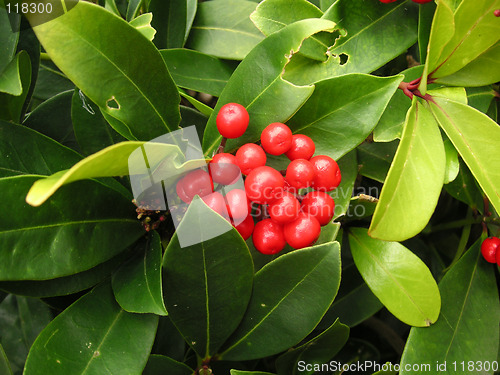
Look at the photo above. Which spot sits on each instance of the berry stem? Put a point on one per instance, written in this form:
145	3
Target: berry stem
222	146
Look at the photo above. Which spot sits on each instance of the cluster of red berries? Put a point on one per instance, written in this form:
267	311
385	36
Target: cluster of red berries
490	248
269	196
415	1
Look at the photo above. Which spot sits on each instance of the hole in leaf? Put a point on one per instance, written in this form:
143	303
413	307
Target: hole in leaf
343	58
112	103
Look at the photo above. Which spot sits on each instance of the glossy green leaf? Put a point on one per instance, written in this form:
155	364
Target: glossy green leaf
467	329
374	159
281	316
161	365
8	39
100	65
11	105
355	104
425	17
196	71
223	29
137	284
414	182
4	363
452	163
206	285
82	226
53	119
476	137
399	279
86	337
319	349
143	24
25	151
464	188
21	319
202	107
267	90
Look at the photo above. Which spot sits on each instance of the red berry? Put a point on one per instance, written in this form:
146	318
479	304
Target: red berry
268	237
302	232
300	173
422	1
319	205
263	184
224	169
284	209
496	12
216	202
250	156
387	1
302	147
197	182
490	249
237	204
276	138
245	228
232	120
326	173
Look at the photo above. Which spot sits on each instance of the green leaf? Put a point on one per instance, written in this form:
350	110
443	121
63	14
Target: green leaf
239	372
399	279
86	337
21	319
11	105
50	82
10	78
452	163
133	9
4	363
267	90
161	365
82	226
414	182
319	349
468	326
280	316
425	17
143	24
137	284
342	194
100	65
24	151
464	188
223	29
206	285
476	137
340	124
480	97
8	39
375	159
203	108
196	71
53	119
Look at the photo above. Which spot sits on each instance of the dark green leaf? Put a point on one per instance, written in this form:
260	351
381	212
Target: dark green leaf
137	284
4	363
100	64
425	17
133	9
375	159
93	336
467	329
50	82
83	225
239	372
342	194
196	71
206	285
8	39
223	29
480	97
399	279
417	171
280	316
319	349
161	365
11	105
465	189
191	117
25	151
169	341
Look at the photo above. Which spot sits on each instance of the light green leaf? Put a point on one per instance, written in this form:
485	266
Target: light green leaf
10	78
467	329
137	284
452	162
86	337
206	285
11	106
143	24
281	316
223	29
83	225
399	279
476	137
100	65
267	90
413	184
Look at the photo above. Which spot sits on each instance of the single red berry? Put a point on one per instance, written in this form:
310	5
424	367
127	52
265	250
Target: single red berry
276	138
245	228
496	12
387	1
197	182
232	120
326	173
216	202
250	156
263	184
319	205
237	204
302	147
224	169
284	209
490	249
268	237
302	232
422	1
300	173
